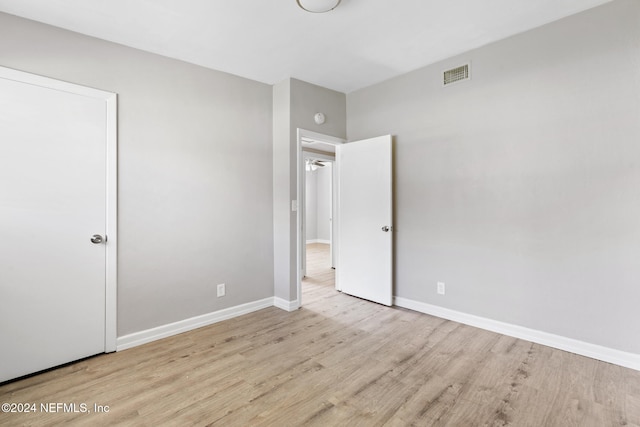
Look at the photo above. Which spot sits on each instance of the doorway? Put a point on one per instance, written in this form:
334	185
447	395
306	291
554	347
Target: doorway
317	209
362	226
318	218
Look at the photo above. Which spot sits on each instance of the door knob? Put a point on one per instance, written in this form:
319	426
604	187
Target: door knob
386	228
97	239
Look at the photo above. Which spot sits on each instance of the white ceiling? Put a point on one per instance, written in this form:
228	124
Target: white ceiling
360	43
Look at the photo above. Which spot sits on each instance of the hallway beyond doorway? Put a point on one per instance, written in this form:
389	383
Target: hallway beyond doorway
320	276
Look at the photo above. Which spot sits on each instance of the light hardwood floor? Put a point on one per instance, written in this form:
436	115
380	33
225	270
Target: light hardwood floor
338	361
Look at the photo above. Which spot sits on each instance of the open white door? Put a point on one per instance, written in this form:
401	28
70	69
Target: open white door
365	256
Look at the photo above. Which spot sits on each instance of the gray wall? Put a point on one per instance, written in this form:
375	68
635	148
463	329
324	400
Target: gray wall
294	104
318	203
323	208
195	204
283	217
311	205
519	188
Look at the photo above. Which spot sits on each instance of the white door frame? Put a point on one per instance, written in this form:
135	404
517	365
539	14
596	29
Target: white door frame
300	234
111	103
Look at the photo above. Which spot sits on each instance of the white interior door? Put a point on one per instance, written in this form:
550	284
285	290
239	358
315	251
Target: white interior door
53	199
365	256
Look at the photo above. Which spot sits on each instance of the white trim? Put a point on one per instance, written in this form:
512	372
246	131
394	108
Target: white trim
164	331
317	155
111	289
605	354
286	305
111	152
51	83
324	241
320	137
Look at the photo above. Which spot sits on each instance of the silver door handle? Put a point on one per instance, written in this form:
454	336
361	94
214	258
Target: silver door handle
97	239
386	228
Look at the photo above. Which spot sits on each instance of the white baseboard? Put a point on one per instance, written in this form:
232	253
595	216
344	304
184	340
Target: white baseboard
605	354
286	305
326	242
143	337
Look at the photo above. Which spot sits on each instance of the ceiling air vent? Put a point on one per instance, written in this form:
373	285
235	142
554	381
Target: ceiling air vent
455	75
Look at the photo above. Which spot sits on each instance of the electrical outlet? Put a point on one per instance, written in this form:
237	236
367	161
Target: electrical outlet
441	288
221	290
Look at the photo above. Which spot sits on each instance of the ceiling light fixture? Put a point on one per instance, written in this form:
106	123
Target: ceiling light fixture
318	6
312	165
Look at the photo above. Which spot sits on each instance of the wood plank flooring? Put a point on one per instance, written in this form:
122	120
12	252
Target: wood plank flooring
338	361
